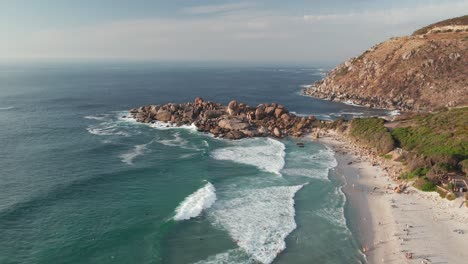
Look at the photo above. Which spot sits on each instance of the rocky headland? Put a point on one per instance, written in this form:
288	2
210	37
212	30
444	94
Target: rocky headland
422	72
232	121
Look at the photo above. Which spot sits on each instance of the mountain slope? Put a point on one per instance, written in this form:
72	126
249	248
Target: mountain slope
425	71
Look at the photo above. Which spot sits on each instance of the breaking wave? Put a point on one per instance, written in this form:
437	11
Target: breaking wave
258	220
195	203
164	126
266	154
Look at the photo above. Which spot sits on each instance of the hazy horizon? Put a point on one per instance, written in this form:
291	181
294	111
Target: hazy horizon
208	31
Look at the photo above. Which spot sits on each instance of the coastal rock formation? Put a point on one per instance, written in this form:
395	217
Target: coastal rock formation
424	71
234	121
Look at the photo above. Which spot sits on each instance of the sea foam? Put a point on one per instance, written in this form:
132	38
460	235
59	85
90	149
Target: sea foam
233	256
163	126
138	150
95	117
195	203
258	220
178	141
266	154
7	108
318	164
334	214
106	129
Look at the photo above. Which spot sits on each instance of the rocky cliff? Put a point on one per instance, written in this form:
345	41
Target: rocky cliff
424	71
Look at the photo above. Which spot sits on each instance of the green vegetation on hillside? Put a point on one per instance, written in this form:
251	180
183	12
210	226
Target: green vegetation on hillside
434	144
372	132
441	137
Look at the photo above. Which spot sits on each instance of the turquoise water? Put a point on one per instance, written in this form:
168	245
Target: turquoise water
81	184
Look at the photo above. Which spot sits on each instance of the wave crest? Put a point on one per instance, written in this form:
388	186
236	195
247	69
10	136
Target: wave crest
259	220
194	204
266	154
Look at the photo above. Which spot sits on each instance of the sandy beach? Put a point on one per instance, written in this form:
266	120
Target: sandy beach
391	226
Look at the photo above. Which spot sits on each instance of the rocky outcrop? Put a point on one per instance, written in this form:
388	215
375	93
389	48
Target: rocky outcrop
425	71
234	121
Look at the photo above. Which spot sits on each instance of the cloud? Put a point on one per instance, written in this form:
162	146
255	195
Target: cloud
245	35
216	9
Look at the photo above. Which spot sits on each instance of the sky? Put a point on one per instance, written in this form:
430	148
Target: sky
263	31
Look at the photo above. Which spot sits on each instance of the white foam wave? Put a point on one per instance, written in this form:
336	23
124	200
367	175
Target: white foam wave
195	203
96	117
163	126
266	154
258	220
137	150
233	256
335	213
318	164
106	129
126	117
111	126
334	216
178	141
6	108
299	114
350	113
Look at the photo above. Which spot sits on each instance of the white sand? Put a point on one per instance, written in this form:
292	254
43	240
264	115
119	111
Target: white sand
429	219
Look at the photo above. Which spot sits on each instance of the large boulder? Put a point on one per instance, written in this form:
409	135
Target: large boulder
260	112
211	114
270	110
163	115
198	100
262	130
174	108
277	132
285	117
279	112
234	135
233	108
233	124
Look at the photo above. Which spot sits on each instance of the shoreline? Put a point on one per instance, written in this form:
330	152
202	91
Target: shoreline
389	225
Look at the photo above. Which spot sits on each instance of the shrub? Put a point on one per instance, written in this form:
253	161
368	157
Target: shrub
451	196
428	187
372	132
419	172
441	192
387	156
424	185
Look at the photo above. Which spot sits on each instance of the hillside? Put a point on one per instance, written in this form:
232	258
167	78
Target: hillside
424	71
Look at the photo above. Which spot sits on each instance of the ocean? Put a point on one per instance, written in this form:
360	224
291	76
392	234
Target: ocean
81	183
